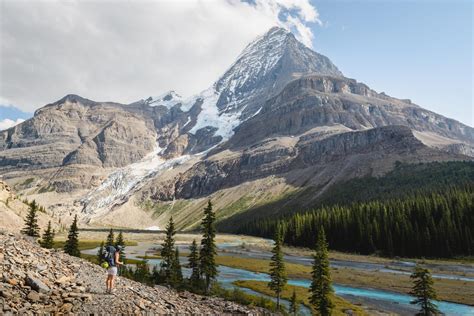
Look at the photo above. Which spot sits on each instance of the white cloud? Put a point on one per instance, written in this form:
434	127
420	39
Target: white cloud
7	123
305	35
127	50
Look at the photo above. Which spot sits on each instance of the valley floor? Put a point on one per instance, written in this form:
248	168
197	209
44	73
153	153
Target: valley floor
247	254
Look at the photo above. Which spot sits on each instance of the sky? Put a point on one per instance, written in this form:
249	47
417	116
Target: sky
125	51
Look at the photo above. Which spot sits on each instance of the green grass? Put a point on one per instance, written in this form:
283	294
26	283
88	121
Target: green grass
302	294
158	256
48	188
133	261
88	244
158	208
150	257
239	296
236	207
448	290
27	182
297	271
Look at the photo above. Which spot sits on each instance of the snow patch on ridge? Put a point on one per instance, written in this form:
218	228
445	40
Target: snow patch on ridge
167	99
153	228
210	116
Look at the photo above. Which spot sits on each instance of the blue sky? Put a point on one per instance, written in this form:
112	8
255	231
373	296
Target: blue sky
415	49
420	50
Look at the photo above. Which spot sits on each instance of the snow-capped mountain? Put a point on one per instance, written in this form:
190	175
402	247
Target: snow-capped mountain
263	68
281	118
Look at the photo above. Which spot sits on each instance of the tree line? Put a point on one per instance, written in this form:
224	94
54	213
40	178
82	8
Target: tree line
435	224
401	182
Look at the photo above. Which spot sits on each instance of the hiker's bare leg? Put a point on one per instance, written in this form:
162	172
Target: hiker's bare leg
109	282
112	282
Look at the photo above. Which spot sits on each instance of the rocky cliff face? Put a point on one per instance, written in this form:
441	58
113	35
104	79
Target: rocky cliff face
78	131
283	155
324	101
281	110
39	281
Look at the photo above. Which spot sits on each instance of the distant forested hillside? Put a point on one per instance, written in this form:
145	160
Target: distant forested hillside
402	181
416	210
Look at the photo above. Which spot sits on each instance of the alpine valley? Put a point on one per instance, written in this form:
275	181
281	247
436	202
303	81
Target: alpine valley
281	130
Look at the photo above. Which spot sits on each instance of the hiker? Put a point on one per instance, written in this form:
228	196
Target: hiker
112	256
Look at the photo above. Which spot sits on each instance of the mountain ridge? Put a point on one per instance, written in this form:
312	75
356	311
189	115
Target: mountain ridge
279	113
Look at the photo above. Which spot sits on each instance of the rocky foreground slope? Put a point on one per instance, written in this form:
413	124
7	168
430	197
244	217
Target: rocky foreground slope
35	280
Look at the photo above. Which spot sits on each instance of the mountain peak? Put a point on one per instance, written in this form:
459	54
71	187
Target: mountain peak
273	35
74	98
277	29
263	68
267	64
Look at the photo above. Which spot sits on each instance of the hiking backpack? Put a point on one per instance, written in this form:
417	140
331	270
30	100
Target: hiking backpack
109	255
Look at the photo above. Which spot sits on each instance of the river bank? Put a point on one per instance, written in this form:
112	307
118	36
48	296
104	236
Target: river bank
383	278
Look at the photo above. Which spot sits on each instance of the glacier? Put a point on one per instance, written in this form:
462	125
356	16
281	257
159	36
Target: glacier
121	183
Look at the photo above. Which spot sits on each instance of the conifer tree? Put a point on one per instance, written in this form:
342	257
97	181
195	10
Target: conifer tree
121	242
110	241
321	287
31	221
208	267
47	241
155	275
424	291
168	252
176	272
142	273
294	304
72	243
193	264
100	254
278	276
